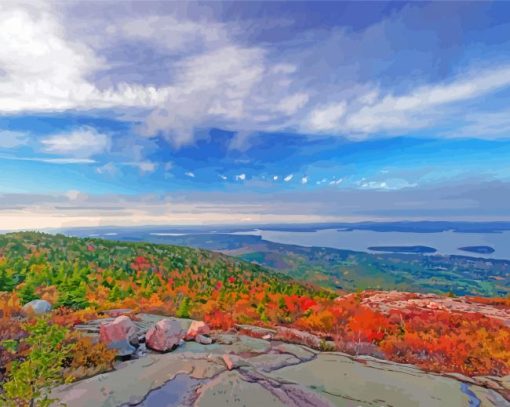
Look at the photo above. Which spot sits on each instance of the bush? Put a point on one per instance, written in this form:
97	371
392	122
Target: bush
29	381
88	358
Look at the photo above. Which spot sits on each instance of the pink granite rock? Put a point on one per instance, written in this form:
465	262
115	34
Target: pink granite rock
165	335
118	334
229	363
196	328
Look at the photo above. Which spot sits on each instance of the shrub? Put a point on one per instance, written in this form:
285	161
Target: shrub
29	381
88	358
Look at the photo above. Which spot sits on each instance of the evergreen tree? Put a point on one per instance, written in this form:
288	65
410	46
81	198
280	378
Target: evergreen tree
184	308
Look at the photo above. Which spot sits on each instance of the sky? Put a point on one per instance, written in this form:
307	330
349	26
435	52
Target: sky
174	113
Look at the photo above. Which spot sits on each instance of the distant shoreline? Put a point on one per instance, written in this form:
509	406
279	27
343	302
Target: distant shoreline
403	249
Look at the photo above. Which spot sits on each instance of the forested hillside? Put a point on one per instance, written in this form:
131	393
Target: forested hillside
77	273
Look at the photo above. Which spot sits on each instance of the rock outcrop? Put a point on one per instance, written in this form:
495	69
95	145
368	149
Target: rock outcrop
254	372
231	368
385	301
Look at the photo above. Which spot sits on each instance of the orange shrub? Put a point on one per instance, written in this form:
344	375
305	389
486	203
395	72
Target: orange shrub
89	358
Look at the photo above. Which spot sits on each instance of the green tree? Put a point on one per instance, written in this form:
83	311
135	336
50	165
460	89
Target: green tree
73	294
184	308
29	381
27	292
7	283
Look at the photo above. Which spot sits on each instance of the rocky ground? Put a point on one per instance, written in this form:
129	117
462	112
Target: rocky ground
252	367
398	300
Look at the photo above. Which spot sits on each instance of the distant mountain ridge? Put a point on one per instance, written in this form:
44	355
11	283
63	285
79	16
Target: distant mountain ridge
394	226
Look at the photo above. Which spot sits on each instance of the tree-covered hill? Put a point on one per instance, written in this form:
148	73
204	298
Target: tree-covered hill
77	273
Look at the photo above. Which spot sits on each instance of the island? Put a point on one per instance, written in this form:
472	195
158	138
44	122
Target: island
478	249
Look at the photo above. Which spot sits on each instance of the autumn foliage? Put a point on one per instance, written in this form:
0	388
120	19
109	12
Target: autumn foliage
83	277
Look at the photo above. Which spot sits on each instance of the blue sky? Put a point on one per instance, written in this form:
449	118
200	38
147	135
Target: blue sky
216	112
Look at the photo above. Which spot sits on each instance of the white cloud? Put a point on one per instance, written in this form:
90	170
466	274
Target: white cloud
240	177
288	177
145	166
304	180
75	195
336	181
49	160
208	78
275	178
241	141
168	32
486	125
291	104
108	169
284	68
83	142
214	87
223	177
423	106
389	184
203	76
326	118
11	139
189	174
45	71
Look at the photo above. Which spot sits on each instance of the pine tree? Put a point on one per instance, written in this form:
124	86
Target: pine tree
184	308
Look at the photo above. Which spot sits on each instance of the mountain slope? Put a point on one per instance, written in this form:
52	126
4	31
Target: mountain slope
80	272
350	270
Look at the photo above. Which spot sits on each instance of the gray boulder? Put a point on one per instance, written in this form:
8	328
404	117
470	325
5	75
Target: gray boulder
38	307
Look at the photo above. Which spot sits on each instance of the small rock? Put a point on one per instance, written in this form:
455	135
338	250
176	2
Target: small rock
203	339
229	363
119	334
165	335
37	307
141	351
267	337
197	328
233	361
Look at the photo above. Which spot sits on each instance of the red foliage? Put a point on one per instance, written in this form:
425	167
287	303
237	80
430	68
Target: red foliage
140	264
368	326
456	342
219	320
